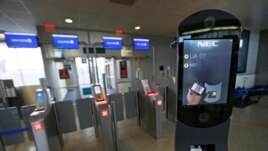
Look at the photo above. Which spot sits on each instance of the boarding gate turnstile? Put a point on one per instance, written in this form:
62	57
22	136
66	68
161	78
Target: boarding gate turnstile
45	129
150	108
171	102
105	120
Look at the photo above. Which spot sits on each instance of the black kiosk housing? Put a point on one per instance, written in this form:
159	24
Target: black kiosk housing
207	47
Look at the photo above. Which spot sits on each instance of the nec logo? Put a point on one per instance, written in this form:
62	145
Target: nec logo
208	43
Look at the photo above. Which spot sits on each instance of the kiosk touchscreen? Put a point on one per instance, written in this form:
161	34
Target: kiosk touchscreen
206	66
205	81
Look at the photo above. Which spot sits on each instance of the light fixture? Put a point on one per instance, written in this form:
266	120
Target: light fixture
68	20
2	36
209	29
137	27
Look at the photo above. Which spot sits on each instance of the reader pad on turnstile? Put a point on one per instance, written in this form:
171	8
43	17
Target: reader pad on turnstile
98	94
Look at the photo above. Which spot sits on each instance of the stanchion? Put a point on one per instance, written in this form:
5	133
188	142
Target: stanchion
10	132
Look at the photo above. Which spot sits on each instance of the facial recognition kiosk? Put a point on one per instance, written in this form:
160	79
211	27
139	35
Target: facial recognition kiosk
207	46
150	105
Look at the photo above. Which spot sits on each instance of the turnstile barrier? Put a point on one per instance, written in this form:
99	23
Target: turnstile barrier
26	112
66	116
45	128
84	110
130	99
117	98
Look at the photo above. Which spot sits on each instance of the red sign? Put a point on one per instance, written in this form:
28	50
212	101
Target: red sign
38	127
49	27
123	69
64	74
104	113
118	32
123	74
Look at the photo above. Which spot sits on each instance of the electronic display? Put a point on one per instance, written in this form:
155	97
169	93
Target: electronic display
206	73
141	44
41	97
21	40
113	43
65	41
209	147
97	90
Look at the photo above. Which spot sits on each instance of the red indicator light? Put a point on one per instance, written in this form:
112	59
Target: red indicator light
118	32
38	127
153	94
105	101
104	113
159	102
49	27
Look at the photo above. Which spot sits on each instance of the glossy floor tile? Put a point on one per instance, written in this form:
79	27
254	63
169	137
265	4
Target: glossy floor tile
248	132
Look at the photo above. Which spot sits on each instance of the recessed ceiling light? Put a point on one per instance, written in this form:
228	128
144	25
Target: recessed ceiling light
69	21
2	36
137	27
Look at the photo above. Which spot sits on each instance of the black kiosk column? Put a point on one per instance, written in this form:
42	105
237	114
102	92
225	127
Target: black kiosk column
207	46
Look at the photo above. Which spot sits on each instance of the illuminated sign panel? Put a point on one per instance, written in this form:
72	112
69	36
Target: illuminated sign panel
141	44
113	43
65	41
21	40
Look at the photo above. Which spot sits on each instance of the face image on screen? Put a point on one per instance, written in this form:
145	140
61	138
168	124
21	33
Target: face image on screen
206	71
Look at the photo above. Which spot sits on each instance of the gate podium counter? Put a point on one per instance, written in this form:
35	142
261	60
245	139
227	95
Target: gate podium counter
208	47
150	105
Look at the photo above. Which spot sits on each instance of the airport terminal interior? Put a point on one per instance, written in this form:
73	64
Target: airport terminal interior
133	75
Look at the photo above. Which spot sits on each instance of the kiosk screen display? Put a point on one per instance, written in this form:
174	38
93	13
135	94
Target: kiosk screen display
206	64
41	97
97	90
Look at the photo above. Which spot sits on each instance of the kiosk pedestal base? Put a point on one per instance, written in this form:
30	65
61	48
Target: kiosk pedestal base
202	139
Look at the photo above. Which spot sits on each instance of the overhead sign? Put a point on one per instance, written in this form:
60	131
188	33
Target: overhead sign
64	74
118	32
49	27
141	44
114	43
65	41
21	40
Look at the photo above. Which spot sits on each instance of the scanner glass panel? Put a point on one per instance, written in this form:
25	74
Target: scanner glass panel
206	71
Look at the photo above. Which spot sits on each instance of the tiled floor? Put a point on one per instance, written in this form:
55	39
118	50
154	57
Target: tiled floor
248	132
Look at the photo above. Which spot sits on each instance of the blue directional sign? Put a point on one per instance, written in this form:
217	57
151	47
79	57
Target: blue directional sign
21	40
141	44
115	43
65	41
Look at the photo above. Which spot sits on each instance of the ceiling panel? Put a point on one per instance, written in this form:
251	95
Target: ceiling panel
9	5
159	17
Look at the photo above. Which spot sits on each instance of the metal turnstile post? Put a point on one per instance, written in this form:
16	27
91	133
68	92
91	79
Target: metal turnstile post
115	129
39	131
